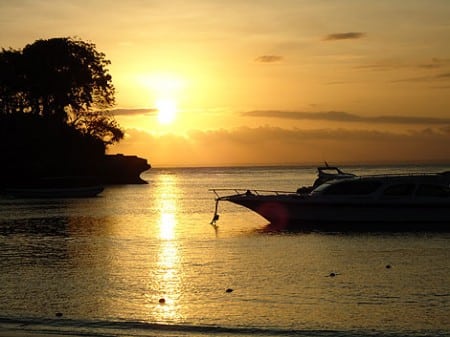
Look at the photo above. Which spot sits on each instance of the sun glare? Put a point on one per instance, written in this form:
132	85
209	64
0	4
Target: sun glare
167	110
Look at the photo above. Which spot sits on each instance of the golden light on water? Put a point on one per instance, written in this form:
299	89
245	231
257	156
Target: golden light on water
167	275
168	278
167	226
167	191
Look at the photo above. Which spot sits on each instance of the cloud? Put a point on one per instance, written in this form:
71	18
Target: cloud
275	146
435	63
382	66
443	76
432	78
269	59
388	65
444	87
340	116
344	36
338	82
132	112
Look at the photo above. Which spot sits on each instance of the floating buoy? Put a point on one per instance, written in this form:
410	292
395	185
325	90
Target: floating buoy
229	290
388	266
332	275
162	301
58	314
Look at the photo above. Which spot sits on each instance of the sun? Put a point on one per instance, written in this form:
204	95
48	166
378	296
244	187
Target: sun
167	111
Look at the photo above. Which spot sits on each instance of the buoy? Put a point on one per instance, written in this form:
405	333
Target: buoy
332	275
229	290
162	301
58	314
388	266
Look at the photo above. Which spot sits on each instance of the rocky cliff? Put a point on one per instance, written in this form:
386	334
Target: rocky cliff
122	169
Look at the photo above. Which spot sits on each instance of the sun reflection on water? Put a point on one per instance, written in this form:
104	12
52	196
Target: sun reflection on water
167	274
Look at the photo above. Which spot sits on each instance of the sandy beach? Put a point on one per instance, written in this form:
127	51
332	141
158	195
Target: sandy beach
30	333
45	330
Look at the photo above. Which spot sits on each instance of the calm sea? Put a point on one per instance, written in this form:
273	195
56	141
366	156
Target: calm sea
103	265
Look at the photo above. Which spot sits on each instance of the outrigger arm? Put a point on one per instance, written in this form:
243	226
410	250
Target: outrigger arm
216	209
216	215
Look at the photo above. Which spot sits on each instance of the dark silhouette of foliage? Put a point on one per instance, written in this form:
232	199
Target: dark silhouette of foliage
62	79
54	96
100	125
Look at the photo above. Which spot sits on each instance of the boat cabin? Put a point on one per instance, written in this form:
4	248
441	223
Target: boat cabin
385	187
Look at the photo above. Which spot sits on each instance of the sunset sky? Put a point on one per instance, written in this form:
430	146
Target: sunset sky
264	82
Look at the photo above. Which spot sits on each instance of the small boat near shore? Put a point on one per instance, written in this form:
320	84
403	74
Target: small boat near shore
54	187
56	192
340	202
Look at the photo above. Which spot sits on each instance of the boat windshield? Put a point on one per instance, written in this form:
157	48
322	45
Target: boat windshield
349	187
320	188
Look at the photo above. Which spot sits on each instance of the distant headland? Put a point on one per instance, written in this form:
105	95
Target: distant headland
122	169
106	170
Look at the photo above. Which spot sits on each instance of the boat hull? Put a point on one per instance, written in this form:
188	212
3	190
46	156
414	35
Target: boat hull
297	213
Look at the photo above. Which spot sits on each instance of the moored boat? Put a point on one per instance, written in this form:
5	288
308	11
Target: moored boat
57	192
55	187
400	202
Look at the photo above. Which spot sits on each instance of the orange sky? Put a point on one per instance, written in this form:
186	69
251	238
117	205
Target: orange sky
264	82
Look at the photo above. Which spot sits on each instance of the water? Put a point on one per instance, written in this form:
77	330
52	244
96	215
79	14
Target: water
104	264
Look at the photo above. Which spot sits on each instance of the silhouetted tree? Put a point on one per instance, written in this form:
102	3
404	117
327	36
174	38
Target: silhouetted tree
54	96
61	79
13	97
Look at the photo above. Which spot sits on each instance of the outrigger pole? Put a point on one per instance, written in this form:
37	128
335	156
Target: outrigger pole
216	215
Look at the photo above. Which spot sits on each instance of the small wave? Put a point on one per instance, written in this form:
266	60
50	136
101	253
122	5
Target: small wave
103	328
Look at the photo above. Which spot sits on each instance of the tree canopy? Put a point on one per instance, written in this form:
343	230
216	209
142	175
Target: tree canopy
54	101
60	79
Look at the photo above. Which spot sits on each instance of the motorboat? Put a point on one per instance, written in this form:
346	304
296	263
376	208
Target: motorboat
394	202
